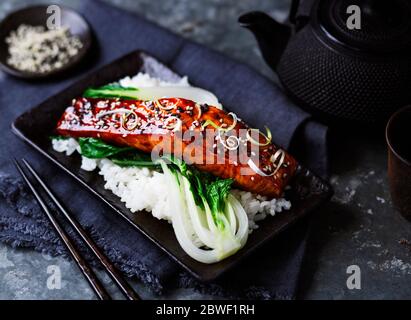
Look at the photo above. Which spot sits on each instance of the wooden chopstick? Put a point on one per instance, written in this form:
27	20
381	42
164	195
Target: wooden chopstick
122	284
87	271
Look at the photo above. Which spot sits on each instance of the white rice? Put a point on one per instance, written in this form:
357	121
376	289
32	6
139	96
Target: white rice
145	189
143	80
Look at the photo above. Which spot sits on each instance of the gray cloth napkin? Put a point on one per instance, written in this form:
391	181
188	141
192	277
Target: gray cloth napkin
270	273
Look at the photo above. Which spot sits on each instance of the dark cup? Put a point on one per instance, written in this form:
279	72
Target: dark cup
398	135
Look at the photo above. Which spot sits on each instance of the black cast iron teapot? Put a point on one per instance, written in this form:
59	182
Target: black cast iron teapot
335	69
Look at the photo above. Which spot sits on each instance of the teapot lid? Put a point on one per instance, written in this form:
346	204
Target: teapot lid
385	25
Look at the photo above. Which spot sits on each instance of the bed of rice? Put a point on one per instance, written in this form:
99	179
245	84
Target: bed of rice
145	189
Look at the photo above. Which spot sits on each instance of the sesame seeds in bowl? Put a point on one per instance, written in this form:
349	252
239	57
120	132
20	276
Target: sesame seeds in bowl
40	50
30	50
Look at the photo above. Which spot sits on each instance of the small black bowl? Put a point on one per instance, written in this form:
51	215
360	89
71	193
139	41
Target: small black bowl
37	16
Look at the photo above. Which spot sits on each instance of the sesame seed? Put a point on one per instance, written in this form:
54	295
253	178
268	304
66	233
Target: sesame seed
37	49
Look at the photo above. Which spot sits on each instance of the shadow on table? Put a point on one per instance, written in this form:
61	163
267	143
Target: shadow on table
353	151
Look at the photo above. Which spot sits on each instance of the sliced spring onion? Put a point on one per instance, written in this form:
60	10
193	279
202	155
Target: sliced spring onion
199	111
117	111
220	128
159	105
176	126
125	121
231	143
267	137
257	170
278	159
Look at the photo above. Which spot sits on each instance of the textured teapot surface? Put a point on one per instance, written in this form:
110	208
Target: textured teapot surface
351	59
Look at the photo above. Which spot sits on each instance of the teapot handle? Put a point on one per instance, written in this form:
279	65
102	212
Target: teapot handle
300	12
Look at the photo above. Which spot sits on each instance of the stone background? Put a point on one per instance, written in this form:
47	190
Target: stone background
359	226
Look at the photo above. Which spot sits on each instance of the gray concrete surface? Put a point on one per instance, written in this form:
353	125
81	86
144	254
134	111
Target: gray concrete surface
358	227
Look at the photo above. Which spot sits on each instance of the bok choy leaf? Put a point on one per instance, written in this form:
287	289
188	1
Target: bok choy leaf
96	149
209	222
112	91
198	95
204	207
123	156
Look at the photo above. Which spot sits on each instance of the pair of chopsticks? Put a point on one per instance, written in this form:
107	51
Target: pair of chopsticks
84	266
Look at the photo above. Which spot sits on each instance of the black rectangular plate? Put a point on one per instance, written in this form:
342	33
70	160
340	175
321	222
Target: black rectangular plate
35	126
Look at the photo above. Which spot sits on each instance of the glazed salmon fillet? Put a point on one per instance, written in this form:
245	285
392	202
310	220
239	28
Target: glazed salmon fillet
146	125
